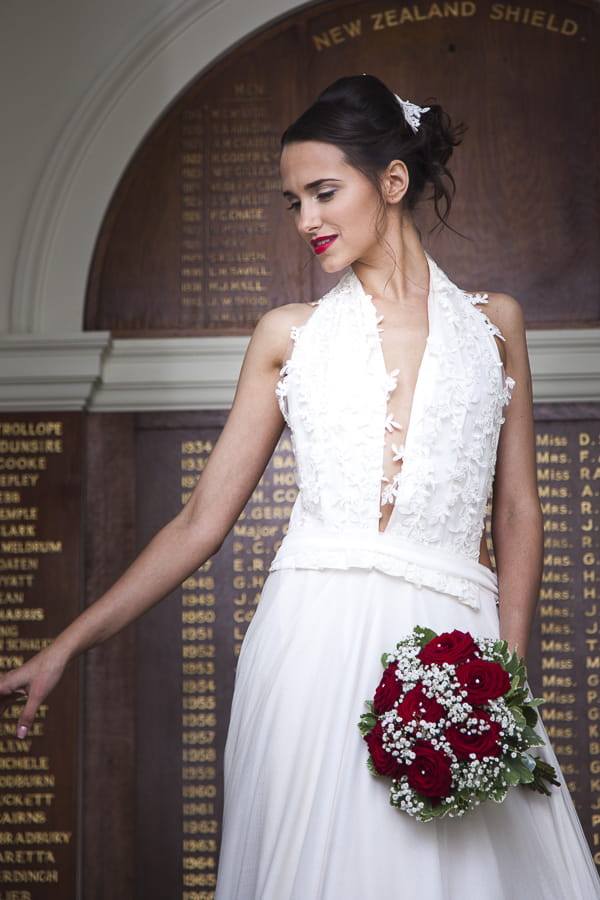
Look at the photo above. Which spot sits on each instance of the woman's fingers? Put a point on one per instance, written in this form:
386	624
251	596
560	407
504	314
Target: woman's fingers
31	683
12	696
25	720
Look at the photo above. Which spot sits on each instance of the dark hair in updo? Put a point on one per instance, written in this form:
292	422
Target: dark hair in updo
361	116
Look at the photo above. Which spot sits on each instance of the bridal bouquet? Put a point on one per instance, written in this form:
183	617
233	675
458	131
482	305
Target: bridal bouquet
452	723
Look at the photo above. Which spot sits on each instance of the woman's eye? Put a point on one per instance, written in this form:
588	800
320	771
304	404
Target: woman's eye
294	205
324	196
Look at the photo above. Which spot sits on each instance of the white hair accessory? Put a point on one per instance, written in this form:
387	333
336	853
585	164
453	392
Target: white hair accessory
412	112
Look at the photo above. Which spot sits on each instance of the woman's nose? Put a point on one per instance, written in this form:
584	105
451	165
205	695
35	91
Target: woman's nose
309	220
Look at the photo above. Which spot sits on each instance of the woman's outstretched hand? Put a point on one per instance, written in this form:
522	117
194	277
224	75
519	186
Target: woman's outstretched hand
32	682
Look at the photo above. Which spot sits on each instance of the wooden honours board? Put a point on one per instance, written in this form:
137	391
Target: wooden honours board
157	699
197	238
40	592
566	652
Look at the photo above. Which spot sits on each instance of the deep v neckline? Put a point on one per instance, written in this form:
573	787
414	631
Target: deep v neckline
408	431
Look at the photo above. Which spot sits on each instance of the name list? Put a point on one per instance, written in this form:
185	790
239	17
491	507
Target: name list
229	177
37	793
565	662
217	605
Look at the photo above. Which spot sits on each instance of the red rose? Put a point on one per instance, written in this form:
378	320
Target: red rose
384	762
417	705
483	680
465	739
449	647
429	773
388	690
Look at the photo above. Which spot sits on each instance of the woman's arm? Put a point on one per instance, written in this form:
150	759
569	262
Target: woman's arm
516	516
187	541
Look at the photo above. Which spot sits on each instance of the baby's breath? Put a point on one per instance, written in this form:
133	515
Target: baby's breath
474	778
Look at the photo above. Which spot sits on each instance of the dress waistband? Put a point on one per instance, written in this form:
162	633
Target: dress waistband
425	566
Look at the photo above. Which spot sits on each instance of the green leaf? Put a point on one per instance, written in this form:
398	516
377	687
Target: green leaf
519	717
531	715
511	775
367	723
516	682
532	737
518	772
438	812
520	660
500	795
516	698
512	666
424	634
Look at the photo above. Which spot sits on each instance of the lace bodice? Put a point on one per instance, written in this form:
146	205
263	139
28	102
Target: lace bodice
334	394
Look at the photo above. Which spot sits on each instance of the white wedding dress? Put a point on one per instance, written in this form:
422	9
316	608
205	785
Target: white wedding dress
304	819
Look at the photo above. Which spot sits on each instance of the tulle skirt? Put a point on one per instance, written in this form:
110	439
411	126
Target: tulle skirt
304	818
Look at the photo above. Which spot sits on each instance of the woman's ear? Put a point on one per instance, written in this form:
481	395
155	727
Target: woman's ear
394	182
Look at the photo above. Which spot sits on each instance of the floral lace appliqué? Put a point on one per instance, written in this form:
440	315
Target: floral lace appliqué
334	392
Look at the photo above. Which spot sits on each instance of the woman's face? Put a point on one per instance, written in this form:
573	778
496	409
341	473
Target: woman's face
335	207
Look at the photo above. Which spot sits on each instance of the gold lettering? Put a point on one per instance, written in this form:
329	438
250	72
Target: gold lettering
556	628
23	614
23	463
19	514
249	89
537	18
19	481
31	429
557	681
31	547
553	646
550	714
553	662
36	446
551	440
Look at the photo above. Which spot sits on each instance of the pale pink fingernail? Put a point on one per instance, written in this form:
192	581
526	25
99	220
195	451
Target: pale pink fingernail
22	731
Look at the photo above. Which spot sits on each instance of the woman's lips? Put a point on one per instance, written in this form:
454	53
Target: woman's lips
321	244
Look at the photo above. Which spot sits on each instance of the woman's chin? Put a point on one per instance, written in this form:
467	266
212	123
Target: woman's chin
330	266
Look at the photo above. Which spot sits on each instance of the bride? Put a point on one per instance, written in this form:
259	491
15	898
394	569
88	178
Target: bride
408	400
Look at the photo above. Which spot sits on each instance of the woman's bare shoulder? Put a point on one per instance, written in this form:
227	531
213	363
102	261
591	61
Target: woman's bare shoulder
502	310
272	334
506	313
289	315
279	321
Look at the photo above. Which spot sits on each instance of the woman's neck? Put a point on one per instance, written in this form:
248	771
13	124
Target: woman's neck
398	270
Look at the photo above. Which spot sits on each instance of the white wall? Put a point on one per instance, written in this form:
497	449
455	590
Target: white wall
81	82
52	56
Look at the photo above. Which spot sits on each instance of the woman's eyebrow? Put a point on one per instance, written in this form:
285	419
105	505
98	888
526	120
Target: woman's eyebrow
312	185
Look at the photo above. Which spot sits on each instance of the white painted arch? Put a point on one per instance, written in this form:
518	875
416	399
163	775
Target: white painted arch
67	210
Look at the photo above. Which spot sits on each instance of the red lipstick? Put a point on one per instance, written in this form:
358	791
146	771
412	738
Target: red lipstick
321	244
